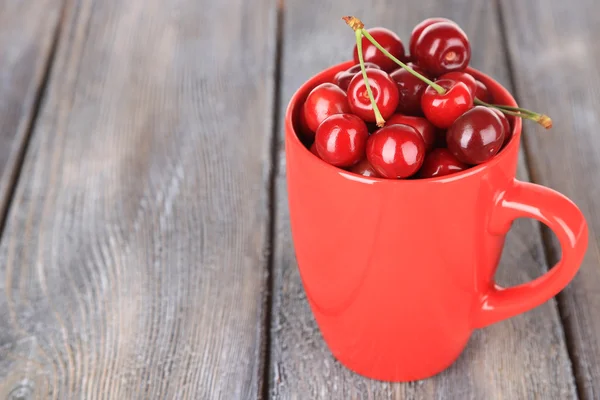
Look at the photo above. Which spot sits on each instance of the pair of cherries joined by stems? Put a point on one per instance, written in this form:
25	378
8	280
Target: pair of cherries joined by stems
425	118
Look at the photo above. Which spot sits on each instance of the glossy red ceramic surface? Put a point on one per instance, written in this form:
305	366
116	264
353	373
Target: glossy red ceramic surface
398	273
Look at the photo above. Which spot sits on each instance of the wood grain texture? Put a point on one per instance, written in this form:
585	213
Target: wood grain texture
555	51
27	33
133	265
521	358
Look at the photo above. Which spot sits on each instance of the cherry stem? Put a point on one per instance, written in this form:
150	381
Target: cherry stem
516	109
357	25
378	117
541	119
359	29
434	85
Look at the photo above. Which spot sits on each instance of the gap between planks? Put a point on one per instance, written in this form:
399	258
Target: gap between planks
264	386
15	163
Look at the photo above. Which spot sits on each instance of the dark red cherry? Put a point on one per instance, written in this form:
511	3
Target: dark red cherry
422	125
440	162
442	47
385	93
389	41
396	151
410	90
324	100
443	109
341	139
343	78
505	124
463	77
364	168
313	149
416	32
476	136
482	92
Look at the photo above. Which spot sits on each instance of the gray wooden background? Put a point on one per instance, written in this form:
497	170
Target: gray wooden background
145	250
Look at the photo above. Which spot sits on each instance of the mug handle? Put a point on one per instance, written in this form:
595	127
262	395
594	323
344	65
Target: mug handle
524	199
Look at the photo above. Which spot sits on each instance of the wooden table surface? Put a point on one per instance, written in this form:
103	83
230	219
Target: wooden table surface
146	250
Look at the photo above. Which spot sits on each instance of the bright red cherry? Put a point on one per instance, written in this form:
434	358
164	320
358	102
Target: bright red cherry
440	162
442	47
341	139
482	92
416	32
422	125
443	109
364	168
476	136
505	124
343	78
396	151
410	90
389	41
324	100
463	77
385	93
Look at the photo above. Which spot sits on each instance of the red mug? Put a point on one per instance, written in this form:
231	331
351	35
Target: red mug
398	273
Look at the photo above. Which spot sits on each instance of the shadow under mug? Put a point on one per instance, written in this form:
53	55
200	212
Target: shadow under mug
398	273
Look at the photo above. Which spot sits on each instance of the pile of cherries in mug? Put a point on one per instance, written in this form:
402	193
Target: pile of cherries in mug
396	116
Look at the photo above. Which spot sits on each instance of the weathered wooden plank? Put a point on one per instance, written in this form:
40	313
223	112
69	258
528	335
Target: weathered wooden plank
27	33
133	264
524	357
555	52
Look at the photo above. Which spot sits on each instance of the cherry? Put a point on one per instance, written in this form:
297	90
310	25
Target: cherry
324	100
341	139
416	32
364	168
482	92
343	78
476	136
385	93
422	125
389	41
463	77
410	90
442	47
505	125
440	162
396	151
443	109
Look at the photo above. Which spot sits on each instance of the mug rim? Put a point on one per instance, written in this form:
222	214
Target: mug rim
292	138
